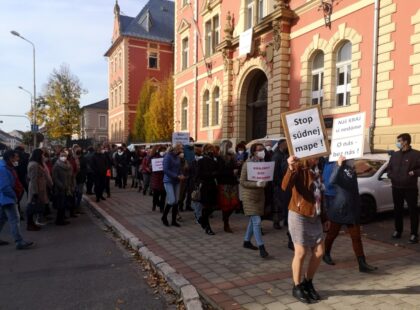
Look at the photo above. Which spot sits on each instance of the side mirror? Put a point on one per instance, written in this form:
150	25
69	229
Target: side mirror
384	176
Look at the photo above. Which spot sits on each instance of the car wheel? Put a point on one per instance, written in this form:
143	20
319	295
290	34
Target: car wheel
368	209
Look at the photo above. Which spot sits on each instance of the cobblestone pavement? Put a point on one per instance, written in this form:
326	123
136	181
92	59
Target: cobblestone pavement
232	277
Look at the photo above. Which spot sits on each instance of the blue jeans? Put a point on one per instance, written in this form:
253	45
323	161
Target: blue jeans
10	213
197	209
172	193
254	228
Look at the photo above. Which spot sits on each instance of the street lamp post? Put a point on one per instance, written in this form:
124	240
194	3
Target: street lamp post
15	33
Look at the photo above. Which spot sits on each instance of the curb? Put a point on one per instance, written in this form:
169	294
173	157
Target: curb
175	280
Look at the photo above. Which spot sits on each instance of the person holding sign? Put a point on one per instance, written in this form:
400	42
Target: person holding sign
156	181
305	224
344	209
253	198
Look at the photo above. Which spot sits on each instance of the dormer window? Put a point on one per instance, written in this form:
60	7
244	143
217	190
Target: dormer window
146	21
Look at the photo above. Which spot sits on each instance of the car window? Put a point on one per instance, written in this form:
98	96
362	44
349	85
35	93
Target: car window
365	168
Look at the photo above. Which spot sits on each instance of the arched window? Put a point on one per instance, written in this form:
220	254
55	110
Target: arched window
318	78
120	135
216	106
184	114
343	66
206	109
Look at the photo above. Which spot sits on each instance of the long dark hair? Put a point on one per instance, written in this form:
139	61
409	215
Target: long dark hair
37	156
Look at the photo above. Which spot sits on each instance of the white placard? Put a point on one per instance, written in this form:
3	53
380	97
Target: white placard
306	133
245	42
181	137
260	171
348	136
157	164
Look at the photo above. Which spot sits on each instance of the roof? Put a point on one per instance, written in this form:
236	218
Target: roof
103	104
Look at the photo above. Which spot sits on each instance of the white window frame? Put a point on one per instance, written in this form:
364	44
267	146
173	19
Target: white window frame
209	37
216	107
249	15
216	32
120	94
261	10
318	94
206	110
104	116
149	56
343	89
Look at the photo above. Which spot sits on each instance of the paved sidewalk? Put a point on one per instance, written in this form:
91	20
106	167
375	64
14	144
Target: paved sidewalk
235	278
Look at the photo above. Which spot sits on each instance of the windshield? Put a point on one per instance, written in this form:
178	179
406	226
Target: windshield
366	168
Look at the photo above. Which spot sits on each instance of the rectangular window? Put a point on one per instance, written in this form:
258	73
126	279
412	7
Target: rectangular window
249	15
184	117
216	32
208	45
184	53
261	10
206	113
153	60
343	85
102	121
120	90
317	87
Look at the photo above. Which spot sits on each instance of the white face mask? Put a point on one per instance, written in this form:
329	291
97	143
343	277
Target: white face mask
181	155
162	154
261	154
198	157
15	163
120	153
63	158
103	151
268	148
240	152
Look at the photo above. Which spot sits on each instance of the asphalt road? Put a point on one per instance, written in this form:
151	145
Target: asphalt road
78	266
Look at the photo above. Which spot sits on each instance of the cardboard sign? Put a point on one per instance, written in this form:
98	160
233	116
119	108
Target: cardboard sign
245	42
348	137
305	132
260	171
181	137
157	164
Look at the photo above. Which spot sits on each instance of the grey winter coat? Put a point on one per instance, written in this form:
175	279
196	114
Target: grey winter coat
39	182
252	196
62	175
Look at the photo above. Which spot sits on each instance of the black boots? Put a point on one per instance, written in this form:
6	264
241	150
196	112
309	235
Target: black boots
263	252
305	292
249	245
327	259
174	214
165	215
363	266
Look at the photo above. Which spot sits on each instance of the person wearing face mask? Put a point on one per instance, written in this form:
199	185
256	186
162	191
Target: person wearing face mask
146	171
253	198
227	183
172	177
404	171
344	209
62	178
156	182
306	216
10	190
37	190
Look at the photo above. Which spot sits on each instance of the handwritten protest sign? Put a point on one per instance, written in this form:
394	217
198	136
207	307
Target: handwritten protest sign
348	136
305	132
260	171
157	164
181	137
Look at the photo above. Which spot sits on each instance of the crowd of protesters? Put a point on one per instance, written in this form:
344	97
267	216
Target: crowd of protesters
313	198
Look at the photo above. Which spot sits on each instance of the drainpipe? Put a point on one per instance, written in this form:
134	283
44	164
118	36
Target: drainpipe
374	77
196	71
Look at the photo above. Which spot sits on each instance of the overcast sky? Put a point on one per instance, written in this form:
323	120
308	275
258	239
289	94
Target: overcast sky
75	32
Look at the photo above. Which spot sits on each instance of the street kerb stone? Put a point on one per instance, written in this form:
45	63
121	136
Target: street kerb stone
175	280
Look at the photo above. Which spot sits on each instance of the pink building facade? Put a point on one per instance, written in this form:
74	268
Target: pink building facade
348	56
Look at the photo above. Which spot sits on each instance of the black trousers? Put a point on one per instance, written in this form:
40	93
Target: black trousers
409	195
100	186
108	186
89	182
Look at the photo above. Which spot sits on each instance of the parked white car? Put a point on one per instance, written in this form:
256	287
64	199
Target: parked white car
374	185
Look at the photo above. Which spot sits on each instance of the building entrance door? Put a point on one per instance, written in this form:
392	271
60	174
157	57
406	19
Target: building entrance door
257	107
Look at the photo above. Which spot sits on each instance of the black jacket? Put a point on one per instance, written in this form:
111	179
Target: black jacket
345	208
99	165
400	164
206	174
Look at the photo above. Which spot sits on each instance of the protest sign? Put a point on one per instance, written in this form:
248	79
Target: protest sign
157	164
348	136
180	137
260	171
305	132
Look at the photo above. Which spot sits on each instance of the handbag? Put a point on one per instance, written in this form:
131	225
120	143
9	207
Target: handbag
196	193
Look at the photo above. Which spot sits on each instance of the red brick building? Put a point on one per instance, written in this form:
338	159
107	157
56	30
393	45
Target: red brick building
142	48
348	56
